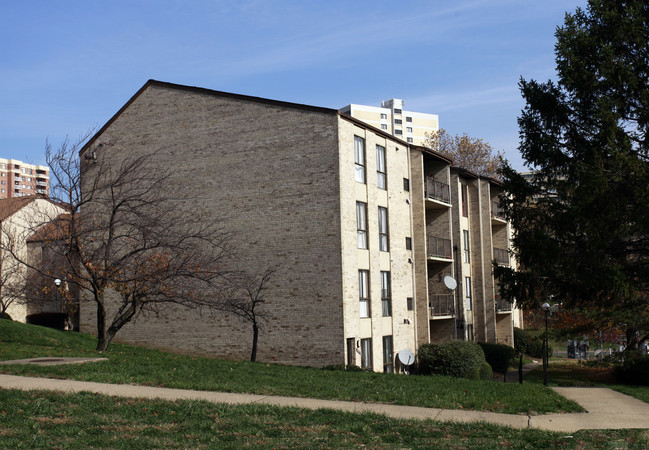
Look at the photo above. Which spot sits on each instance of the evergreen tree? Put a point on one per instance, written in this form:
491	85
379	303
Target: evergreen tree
582	223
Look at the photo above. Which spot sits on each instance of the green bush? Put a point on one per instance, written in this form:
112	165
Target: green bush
499	356
528	345
456	358
4	315
486	372
634	370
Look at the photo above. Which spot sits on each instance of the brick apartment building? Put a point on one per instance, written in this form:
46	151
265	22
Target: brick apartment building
18	179
346	213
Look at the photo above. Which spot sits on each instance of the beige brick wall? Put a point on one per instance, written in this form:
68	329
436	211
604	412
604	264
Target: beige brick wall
269	172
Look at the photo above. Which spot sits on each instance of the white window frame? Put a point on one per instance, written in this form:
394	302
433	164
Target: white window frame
364	307
381	168
384	240
361	225
359	159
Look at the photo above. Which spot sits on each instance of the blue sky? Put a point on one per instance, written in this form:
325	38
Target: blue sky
68	66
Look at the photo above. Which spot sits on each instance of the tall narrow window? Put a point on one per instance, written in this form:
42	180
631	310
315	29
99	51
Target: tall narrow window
467	250
467	293
465	200
386	295
361	224
366	353
388	366
381	178
364	292
359	158
384	244
469	332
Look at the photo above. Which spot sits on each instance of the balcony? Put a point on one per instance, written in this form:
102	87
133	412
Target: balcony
441	305
438	191
501	256
502	306
41	183
439	248
497	213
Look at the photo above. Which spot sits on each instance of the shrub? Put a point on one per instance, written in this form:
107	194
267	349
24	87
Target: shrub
486	372
634	370
499	356
528	345
4	315
456	358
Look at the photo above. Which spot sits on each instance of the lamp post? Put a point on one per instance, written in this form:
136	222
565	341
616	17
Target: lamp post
57	282
546	308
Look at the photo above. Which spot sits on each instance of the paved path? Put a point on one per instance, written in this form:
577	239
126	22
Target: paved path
606	409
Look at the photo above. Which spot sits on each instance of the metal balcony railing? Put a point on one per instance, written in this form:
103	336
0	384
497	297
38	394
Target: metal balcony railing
437	190
501	256
502	305
496	211
441	305
439	248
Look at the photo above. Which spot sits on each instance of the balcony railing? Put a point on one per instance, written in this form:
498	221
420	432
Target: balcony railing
503	305
496	211
437	190
441	305
439	248
501	256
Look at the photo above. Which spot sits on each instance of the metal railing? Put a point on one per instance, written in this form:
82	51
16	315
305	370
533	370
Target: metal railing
439	247
437	190
496	211
503	305
501	256
441	305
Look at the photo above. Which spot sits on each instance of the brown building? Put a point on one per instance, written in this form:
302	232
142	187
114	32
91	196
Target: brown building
339	208
18	179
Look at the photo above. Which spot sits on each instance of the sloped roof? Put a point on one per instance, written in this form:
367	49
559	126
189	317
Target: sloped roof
10	206
53	230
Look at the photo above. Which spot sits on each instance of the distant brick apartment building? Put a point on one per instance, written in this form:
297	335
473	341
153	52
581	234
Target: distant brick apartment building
344	211
18	179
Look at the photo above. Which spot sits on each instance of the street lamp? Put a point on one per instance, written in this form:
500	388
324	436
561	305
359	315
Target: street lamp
57	282
546	308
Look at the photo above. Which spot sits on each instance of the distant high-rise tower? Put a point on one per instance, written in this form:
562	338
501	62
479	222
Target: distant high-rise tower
409	126
18	179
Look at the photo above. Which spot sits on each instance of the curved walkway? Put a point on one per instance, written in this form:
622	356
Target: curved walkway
607	409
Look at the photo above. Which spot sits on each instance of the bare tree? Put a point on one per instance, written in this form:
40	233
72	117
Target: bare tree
247	305
467	152
123	239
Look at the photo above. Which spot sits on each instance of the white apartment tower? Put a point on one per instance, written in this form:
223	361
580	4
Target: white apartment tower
392	118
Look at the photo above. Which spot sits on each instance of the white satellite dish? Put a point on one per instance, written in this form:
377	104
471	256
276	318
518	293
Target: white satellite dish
406	357
450	282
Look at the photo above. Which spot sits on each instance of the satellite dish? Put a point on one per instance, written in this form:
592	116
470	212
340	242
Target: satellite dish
450	282
406	357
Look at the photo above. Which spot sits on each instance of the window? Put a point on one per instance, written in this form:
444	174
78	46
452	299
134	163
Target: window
351	352
410	141
469	332
384	126
383	116
408	243
24	170
381	177
384	244
4	174
465	200
386	295
364	292
397	111
409	129
3	166
359	158
3	191
361	224
409	119
467	250
366	353
398	121
406	184
467	293
3	182
398	131
409	303
388	366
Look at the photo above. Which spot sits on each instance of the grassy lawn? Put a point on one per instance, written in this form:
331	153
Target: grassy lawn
134	365
53	420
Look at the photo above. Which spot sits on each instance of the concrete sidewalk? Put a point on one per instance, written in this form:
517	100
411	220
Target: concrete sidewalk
606	409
